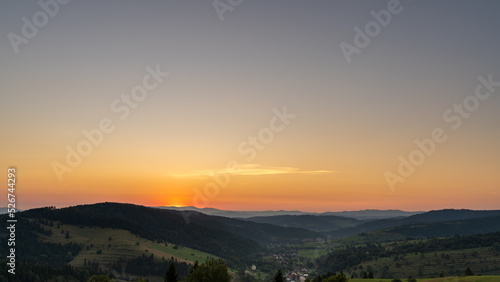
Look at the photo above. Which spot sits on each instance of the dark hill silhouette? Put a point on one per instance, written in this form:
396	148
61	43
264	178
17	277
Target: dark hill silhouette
439	216
471	226
225	237
311	222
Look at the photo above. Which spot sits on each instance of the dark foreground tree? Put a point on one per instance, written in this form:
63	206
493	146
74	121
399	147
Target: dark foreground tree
171	274
279	277
468	272
209	271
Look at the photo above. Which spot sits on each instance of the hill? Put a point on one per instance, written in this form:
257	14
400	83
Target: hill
447	215
338	227
152	224
232	239
449	228
262	233
311	222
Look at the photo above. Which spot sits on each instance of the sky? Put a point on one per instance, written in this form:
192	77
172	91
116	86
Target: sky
252	105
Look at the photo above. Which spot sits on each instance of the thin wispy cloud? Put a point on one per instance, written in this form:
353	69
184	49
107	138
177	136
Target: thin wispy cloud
251	170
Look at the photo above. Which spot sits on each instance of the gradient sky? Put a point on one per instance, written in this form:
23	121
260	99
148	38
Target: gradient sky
352	121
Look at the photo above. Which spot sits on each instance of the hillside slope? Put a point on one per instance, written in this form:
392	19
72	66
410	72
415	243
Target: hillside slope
228	238
311	222
431	217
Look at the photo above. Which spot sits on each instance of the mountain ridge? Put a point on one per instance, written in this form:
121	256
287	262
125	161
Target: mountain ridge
431	217
359	214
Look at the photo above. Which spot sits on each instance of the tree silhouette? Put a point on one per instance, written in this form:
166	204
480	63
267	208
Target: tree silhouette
279	277
171	274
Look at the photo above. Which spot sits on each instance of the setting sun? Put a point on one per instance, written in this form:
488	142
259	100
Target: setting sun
174	203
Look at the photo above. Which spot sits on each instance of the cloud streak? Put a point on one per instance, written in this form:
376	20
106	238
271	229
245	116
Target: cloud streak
251	170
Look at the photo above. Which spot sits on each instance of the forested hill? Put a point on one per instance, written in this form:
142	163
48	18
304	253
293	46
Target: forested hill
449	215
152	224
228	238
449	228
431	217
262	233
311	222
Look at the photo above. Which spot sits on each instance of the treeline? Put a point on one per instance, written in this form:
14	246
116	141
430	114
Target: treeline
449	244
148	265
43	272
31	250
349	256
352	255
461	227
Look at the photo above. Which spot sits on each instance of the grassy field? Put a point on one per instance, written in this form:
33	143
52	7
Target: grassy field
312	253
106	245
183	252
316	249
373	236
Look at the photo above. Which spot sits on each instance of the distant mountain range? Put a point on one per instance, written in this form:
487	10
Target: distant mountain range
337	226
373	214
361	214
